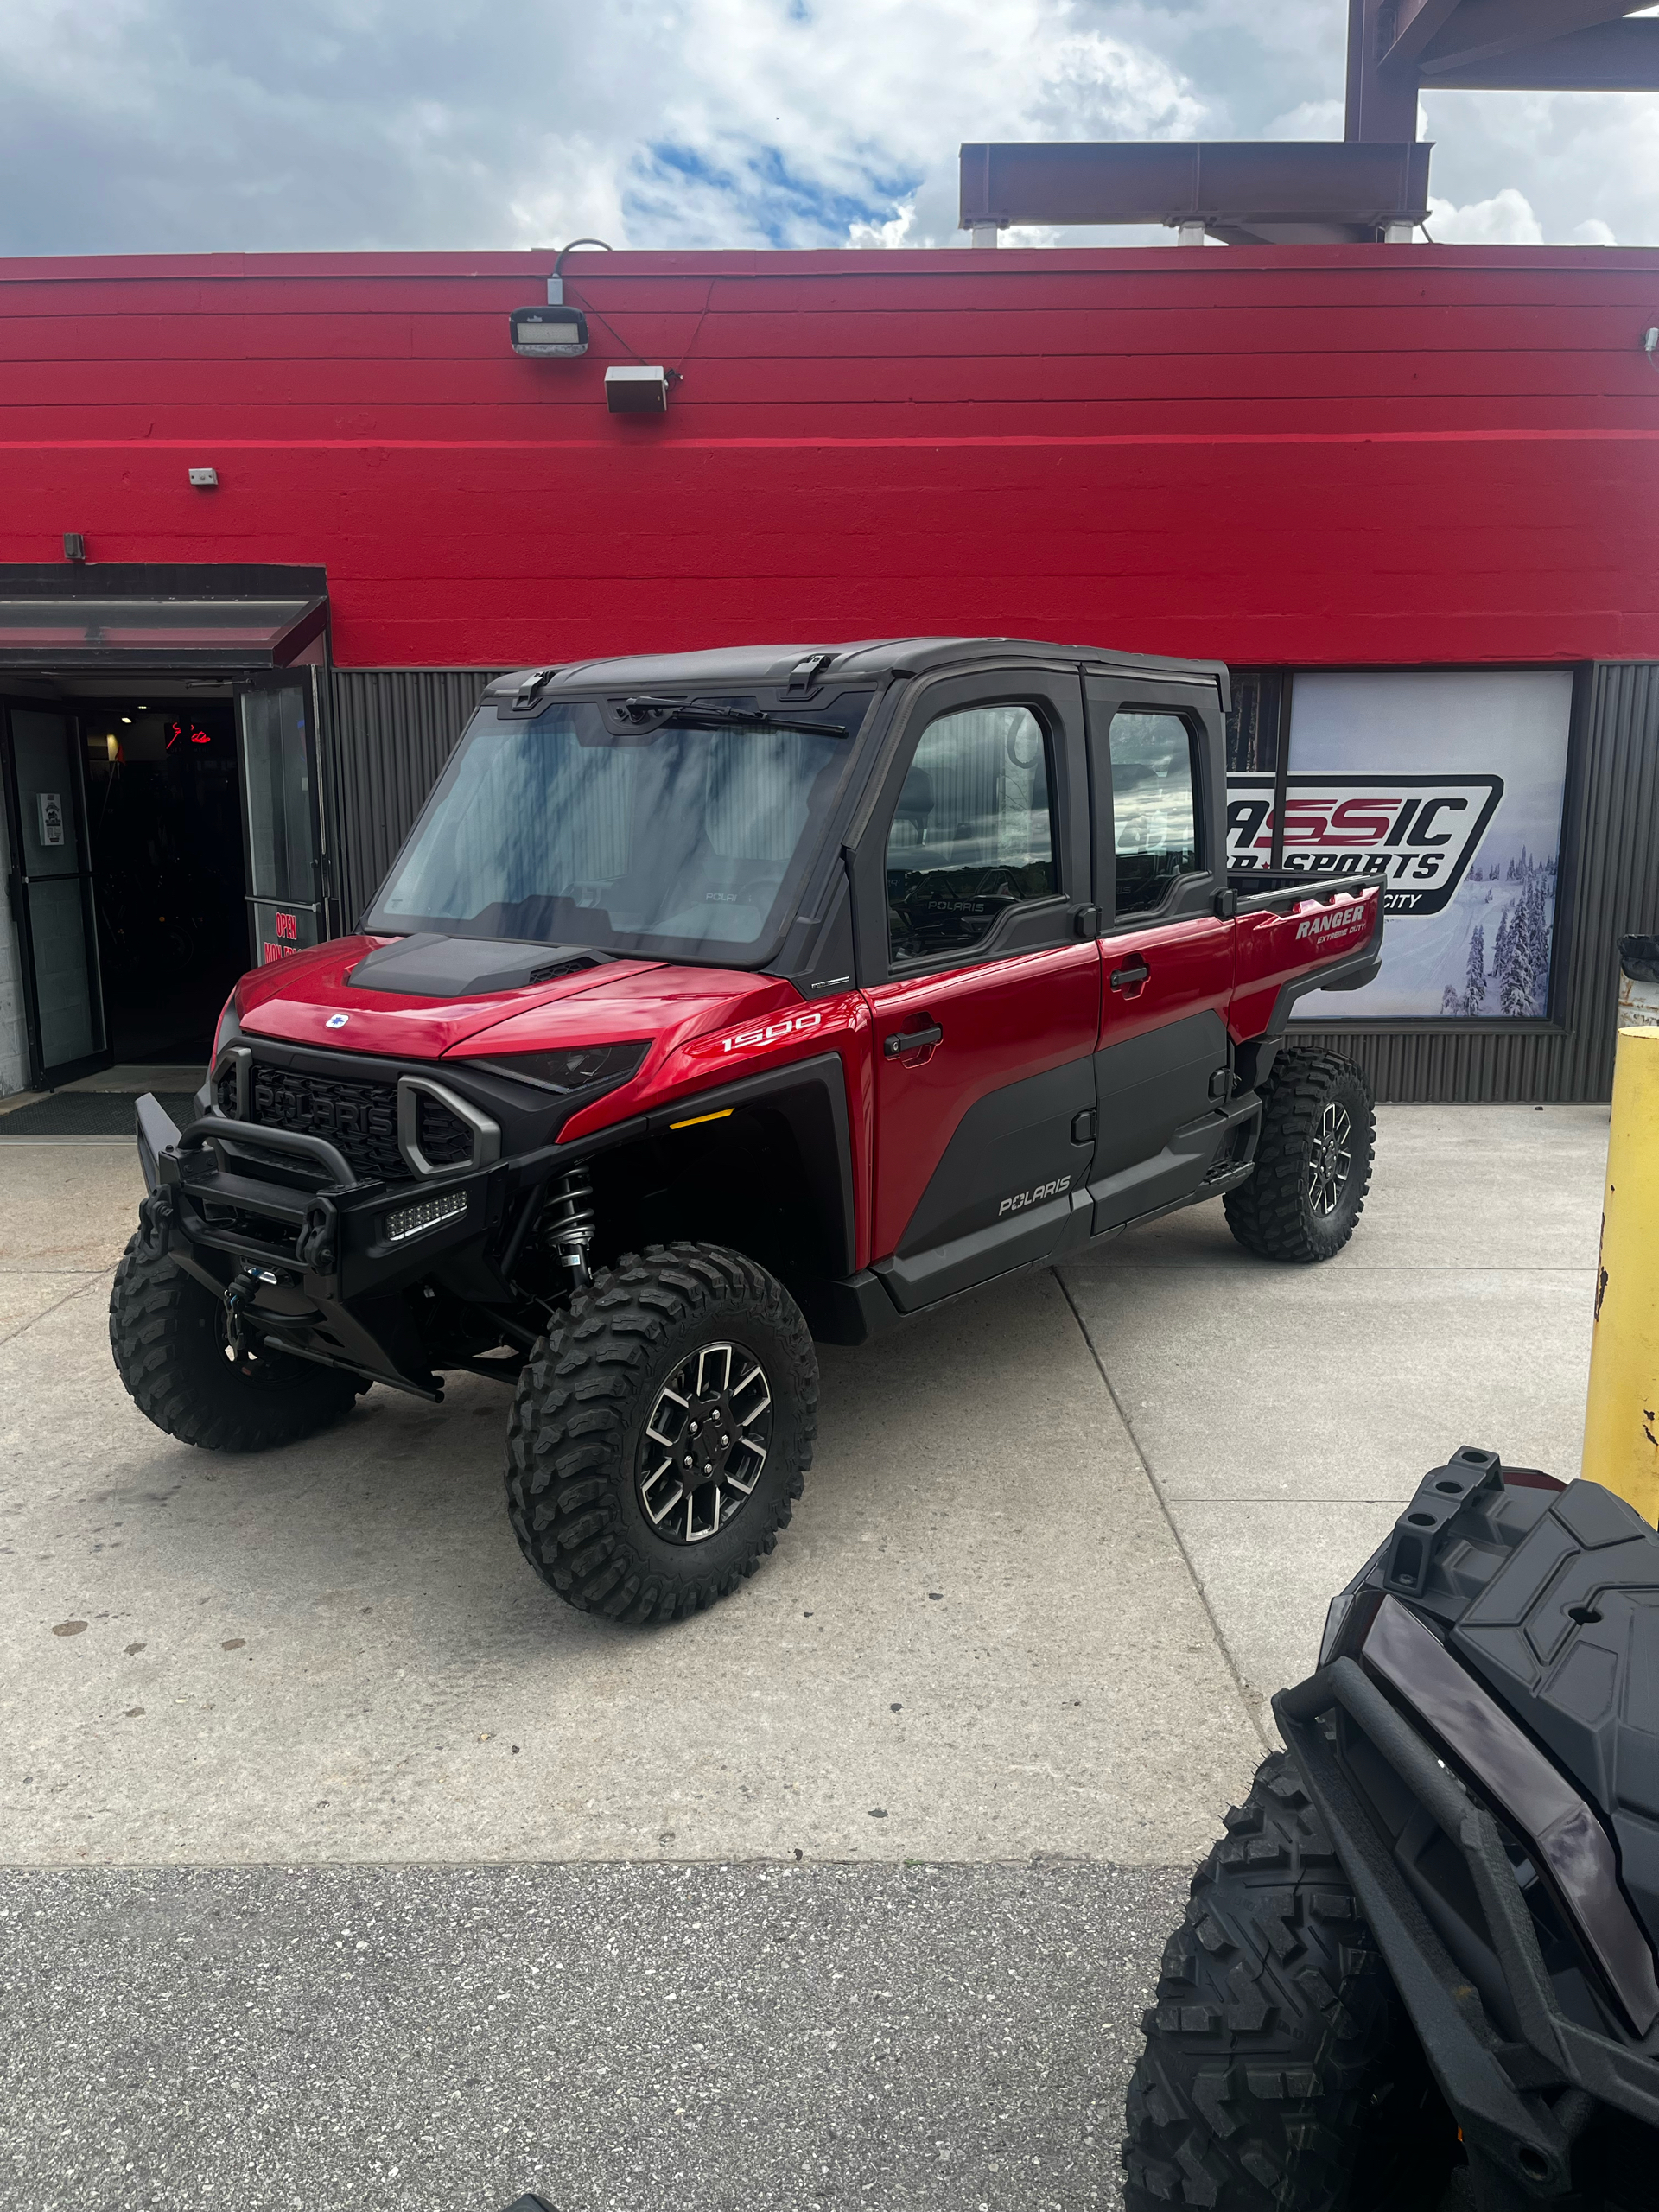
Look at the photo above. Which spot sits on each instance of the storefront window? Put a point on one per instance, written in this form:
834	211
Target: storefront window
1447	787
276	773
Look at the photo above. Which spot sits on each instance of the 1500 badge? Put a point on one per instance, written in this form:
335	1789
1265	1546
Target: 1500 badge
747	1039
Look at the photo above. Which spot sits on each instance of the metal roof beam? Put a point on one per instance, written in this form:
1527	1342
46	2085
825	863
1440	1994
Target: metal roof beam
1416	21
1612	57
1345	190
1481	31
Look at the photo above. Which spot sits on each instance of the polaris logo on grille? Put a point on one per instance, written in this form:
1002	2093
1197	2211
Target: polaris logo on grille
1413	836
337	1021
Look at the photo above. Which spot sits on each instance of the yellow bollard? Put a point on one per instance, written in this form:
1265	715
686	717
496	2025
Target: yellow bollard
1621	1428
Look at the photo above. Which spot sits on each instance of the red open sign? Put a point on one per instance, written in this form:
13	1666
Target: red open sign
287	926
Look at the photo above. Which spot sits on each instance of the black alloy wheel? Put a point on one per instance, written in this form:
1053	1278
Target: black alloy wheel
661	1433
1329	1160
1311	1167
705	1444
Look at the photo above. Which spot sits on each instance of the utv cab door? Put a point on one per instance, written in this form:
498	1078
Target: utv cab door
1162	1065
977	958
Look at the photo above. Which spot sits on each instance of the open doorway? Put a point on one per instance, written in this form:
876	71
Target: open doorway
164	828
160	806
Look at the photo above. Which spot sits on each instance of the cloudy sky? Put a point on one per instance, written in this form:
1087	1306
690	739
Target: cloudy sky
191	125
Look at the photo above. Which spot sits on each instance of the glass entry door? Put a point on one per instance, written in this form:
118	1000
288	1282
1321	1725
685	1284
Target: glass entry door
277	725
51	892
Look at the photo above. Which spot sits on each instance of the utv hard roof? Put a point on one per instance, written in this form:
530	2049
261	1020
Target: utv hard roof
768	667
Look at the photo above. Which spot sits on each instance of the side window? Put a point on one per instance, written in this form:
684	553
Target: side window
972	834
1154	807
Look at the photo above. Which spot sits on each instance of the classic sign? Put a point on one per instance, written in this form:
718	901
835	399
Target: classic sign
1417	833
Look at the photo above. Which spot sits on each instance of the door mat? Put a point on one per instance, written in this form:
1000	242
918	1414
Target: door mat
90	1114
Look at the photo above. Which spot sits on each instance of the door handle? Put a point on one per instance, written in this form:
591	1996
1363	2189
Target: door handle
912	1040
1134	976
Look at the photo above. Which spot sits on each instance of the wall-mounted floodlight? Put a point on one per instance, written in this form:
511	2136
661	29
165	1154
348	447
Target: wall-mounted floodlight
552	333
636	391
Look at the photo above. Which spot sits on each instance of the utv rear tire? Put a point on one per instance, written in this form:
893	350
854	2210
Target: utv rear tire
1281	2072
598	1391
1312	1160
168	1335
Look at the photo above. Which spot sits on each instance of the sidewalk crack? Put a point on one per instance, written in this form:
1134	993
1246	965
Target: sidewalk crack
1221	1644
88	1283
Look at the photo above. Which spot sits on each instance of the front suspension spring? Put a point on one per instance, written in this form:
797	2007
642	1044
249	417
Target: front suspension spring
567	1223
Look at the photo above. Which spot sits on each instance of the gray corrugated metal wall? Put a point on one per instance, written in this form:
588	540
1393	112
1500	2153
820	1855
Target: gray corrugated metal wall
392	729
1611	884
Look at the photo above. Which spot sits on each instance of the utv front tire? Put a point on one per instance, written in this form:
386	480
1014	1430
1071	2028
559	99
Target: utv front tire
662	1433
171	1350
1281	2072
1312	1160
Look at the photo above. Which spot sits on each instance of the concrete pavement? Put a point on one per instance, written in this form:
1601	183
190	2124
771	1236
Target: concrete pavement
1285	1414
977	1640
1060	1543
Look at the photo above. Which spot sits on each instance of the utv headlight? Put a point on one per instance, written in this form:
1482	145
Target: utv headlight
582	1067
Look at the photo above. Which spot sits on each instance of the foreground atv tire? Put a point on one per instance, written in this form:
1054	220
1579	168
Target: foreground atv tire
661	1434
1312	1160
168	1335
1281	2072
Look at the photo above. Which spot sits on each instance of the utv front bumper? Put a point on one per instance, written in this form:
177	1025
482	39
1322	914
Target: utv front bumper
320	1255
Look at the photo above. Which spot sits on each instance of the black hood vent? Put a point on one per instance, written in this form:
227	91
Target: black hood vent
432	966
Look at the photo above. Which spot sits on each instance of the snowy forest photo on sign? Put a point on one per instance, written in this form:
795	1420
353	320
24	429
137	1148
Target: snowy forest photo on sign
1509	974
1477	945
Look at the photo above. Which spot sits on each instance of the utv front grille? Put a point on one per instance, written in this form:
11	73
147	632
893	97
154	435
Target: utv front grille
387	1130
359	1118
445	1140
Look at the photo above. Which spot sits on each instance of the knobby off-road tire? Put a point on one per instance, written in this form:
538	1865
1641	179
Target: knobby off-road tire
580	1447
1316	1104
168	1335
1281	2072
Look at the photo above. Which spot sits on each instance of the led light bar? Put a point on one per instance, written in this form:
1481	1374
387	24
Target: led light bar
426	1213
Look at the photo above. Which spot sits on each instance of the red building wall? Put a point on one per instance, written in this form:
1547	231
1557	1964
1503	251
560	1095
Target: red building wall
1305	455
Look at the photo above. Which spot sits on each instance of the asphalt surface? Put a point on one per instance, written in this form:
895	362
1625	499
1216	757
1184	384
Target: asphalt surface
621	2039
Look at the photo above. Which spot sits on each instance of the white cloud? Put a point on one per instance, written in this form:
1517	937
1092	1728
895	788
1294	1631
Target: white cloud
1308	120
1504	219
190	124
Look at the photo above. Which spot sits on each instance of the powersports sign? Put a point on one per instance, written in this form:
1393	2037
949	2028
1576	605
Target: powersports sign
1418	834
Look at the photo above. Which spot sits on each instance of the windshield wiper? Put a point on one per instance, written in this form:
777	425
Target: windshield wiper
689	713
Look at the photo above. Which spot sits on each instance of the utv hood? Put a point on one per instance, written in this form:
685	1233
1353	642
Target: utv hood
415	997
419	998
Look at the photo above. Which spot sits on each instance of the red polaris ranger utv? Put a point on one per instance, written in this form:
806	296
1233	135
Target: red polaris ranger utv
723	1000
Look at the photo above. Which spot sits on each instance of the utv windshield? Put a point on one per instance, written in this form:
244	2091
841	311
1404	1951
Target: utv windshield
679	841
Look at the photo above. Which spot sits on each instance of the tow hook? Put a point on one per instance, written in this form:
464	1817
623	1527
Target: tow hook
239	1295
315	1246
155	1212
237	1298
